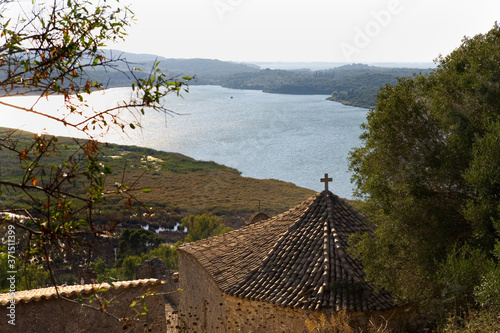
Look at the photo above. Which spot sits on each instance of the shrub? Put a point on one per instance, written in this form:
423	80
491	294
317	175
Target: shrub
203	226
461	273
487	294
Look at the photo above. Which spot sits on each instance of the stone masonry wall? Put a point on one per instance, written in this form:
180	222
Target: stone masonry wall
203	308
171	288
201	304
59	315
254	316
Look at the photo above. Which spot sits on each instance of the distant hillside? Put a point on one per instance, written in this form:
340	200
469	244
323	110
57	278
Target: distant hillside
205	71
179	186
355	84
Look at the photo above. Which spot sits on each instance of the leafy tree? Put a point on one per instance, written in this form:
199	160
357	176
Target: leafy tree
135	243
30	275
125	268
128	266
56	50
167	253
203	226
487	294
99	266
460	272
428	172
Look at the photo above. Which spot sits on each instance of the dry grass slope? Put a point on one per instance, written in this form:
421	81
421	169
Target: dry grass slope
176	185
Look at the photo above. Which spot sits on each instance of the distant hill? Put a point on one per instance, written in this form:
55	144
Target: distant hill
355	84
205	71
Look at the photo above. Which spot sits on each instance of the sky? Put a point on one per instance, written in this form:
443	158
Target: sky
346	31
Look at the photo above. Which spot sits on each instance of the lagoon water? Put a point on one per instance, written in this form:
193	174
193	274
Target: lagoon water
287	137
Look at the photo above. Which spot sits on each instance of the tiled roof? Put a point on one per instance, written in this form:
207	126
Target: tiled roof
231	257
32	295
296	259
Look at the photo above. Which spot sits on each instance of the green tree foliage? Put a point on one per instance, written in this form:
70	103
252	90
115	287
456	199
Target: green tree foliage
350	84
429	173
203	226
99	266
53	50
167	253
125	268
460	272
29	275
128	266
487	294
135	243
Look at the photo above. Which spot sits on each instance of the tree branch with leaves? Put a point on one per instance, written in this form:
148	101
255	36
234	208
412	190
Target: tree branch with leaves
56	50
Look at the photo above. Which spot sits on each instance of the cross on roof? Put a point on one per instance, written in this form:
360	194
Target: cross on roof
326	180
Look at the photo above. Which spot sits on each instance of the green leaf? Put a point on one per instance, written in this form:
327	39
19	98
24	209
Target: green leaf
146	190
132	126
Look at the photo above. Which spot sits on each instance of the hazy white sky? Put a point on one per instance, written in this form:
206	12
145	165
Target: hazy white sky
313	30
304	31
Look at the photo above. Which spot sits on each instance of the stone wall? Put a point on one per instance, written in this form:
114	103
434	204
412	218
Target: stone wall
255	316
201	304
66	315
203	308
153	268
171	288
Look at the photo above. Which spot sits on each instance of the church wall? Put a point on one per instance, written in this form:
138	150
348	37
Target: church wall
59	315
201	304
204	308
259	317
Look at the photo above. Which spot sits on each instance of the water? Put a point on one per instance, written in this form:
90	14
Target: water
177	227
287	137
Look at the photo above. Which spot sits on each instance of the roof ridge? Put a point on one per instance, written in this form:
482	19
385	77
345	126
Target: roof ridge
296	259
289	277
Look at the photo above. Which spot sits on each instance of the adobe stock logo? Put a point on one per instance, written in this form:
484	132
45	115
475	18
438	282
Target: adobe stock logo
373	28
223	6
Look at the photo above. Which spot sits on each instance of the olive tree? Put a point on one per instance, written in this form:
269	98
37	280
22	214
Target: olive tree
428	172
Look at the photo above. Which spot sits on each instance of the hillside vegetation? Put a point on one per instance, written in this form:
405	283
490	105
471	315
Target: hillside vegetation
173	185
356	84
164	190
428	172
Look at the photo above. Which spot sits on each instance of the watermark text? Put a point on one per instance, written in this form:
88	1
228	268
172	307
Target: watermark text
222	7
364	36
11	264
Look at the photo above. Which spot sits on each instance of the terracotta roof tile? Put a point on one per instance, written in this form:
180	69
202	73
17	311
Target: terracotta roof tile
33	295
296	259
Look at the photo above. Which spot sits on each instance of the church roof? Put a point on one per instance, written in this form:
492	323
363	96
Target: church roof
296	259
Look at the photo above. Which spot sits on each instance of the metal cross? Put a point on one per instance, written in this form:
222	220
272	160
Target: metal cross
326	180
